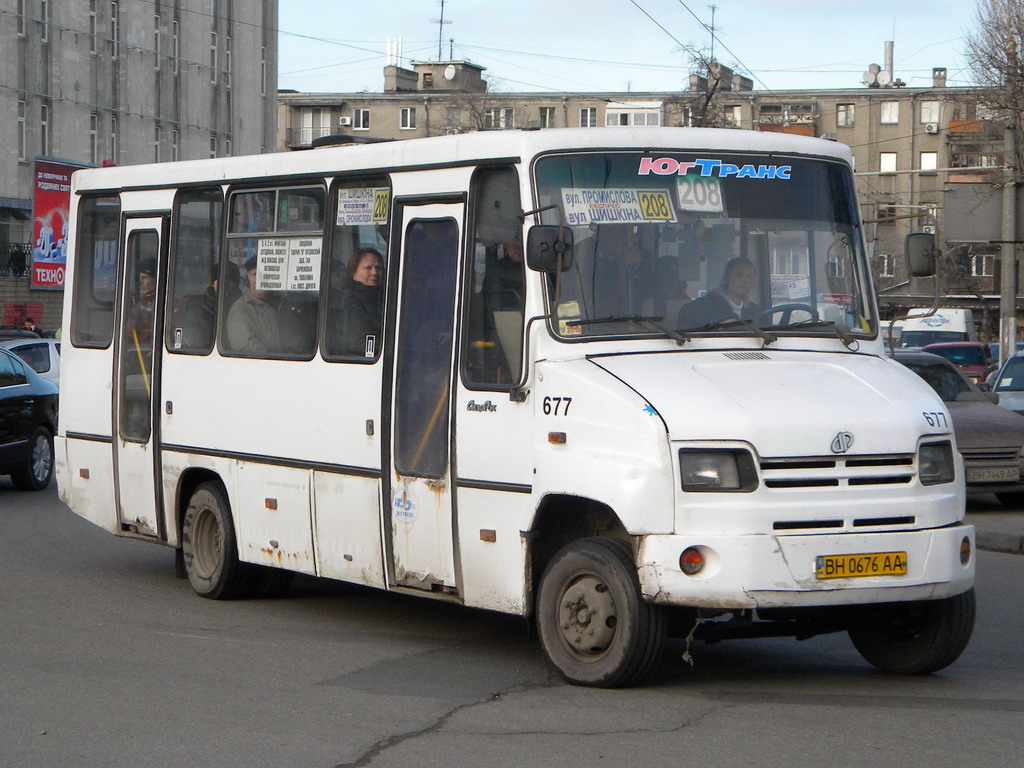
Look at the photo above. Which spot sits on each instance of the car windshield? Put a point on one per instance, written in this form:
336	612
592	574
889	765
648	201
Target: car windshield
1011	378
944	379
961	355
692	242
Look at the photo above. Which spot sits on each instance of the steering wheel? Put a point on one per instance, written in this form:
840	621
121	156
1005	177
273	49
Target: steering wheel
787	311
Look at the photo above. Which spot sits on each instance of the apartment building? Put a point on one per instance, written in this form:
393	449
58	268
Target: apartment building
914	148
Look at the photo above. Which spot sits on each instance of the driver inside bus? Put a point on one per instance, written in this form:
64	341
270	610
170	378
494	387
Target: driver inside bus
252	321
731	300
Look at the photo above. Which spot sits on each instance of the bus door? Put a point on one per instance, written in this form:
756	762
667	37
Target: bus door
136	427
420	528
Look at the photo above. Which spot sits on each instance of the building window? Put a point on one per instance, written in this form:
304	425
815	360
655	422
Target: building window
175	46
113	138
44	20
931	111
886	213
588	117
316	122
263	72
94	150
646	117
213	146
92	27
887	162
114	21
886	265
499	117
890	112
21	18
428	79
361	119
983	265
546	117
156	143
156	42
844	115
22	152
44	129
929	161
407	118
733	116
452	120
213	58
227	61
175	139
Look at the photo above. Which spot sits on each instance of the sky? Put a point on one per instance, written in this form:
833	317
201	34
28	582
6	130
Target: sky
622	45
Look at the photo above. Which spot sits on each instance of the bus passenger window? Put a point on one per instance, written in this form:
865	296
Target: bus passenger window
195	272
356	272
274	249
92	319
493	322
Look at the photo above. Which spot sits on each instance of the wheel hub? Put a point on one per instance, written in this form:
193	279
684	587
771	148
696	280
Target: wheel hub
587	616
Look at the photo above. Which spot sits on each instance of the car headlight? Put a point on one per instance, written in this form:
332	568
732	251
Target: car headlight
705	470
935	463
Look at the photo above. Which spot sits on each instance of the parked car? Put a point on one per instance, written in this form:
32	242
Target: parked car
971	357
990	438
42	355
1008	383
28	421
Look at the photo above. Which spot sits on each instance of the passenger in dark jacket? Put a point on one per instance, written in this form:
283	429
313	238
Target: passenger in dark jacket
358	317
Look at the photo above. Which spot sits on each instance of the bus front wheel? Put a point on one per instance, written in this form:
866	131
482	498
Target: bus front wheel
916	638
209	549
594	624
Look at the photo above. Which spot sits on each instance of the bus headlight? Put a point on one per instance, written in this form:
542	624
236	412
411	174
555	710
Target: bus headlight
704	470
935	463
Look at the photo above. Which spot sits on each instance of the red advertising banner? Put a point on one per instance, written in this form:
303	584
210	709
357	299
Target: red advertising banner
50	207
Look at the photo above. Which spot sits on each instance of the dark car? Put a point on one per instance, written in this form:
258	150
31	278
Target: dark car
990	438
971	357
28	421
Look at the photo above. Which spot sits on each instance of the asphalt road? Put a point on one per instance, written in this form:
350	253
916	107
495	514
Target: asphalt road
107	659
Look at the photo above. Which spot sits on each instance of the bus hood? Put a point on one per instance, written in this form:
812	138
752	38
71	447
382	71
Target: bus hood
785	403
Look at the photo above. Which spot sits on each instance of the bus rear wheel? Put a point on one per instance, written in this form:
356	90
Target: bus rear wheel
594	624
917	638
209	547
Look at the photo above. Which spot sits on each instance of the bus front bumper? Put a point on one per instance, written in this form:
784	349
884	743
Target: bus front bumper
772	571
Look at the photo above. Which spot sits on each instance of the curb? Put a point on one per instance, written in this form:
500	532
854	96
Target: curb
993	541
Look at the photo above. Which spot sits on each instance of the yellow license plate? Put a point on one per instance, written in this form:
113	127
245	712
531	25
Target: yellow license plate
854	566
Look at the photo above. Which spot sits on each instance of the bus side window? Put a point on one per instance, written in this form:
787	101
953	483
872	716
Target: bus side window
92	320
493	321
356	271
195	272
274	243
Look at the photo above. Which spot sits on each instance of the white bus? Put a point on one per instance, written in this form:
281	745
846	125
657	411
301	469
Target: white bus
673	417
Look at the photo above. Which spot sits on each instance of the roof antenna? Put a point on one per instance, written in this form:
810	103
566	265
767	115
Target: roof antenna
440	32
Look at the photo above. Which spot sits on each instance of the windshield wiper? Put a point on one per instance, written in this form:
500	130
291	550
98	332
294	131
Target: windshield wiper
725	322
653	322
843	336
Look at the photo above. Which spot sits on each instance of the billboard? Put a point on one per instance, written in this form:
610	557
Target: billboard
50	205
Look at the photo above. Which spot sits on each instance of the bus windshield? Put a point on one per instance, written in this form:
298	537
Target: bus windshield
705	243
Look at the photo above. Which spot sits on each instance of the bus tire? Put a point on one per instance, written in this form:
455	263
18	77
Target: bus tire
917	638
594	625
209	548
37	471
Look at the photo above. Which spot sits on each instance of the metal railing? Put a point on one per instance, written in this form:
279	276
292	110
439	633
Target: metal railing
16	260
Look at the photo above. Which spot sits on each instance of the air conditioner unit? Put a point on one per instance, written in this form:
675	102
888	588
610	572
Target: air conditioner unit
931	127
928	229
344	121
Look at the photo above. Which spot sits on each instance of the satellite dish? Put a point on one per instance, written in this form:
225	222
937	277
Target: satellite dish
869	78
449	72
884	78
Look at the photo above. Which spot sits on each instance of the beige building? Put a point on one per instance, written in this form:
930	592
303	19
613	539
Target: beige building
912	146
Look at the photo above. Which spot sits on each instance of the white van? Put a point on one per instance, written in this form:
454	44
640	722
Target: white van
946	324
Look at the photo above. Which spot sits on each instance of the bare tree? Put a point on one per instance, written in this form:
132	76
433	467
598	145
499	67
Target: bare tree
995	53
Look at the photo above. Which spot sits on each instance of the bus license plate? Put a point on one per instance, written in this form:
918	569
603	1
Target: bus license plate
853	566
993	474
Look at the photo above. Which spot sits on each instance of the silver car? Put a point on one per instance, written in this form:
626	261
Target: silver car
1008	383
42	355
990	439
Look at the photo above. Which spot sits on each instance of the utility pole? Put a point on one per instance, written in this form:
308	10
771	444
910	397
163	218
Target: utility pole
1008	255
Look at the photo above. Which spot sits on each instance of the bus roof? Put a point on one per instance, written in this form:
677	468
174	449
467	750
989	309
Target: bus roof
457	149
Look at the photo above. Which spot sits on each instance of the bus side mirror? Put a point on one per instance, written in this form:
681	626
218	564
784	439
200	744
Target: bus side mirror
545	251
921	254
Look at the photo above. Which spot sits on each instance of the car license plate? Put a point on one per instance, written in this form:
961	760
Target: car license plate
853	566
993	474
